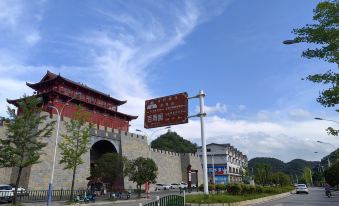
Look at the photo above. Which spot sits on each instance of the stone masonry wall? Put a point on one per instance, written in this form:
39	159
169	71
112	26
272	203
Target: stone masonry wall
40	173
5	173
172	166
169	166
132	147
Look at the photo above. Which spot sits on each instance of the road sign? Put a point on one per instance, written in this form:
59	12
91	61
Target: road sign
165	111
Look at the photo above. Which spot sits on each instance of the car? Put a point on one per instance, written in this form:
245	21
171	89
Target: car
183	185
162	187
175	186
301	188
6	193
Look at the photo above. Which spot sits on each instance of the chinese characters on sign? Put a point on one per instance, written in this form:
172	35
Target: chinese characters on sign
166	111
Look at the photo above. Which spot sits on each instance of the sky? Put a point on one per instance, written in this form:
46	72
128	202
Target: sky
255	99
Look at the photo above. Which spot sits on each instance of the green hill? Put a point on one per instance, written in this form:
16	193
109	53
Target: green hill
294	167
173	142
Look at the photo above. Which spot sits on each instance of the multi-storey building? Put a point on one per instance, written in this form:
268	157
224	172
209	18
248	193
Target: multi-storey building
228	162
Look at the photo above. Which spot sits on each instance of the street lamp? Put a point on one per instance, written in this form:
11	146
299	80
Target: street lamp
213	172
321	142
150	137
329	120
328	159
290	41
59	113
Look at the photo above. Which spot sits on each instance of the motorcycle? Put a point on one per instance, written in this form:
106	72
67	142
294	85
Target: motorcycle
87	197
328	193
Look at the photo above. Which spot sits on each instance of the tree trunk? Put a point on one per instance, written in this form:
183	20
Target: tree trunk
16	186
72	187
139	190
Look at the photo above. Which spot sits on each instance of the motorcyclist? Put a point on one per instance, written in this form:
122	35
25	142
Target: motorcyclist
328	190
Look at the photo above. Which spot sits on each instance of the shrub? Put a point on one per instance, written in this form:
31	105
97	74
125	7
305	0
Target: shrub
234	189
201	187
259	189
247	189
211	187
220	187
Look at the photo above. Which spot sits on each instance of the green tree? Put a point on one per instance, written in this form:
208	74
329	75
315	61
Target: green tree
332	174
108	168
325	33
308	175
280	178
75	143
263	173
173	142
23	144
141	170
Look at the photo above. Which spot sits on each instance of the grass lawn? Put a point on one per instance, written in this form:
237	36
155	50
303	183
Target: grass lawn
223	198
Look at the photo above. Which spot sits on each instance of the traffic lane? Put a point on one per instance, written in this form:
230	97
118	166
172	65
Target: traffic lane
316	197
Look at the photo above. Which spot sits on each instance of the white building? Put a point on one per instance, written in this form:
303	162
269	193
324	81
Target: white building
228	162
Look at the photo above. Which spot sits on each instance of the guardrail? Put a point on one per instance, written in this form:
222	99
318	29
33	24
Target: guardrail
40	195
170	200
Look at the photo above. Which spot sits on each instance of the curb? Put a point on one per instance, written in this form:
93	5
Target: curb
246	202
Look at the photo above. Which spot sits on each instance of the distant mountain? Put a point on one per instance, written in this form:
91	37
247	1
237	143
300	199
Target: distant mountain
293	167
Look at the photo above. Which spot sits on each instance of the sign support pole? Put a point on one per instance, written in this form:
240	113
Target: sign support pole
202	114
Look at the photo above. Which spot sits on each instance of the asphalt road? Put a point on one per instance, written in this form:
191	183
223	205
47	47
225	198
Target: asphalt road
316	197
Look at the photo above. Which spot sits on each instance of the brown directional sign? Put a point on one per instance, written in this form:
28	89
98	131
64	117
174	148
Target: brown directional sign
165	111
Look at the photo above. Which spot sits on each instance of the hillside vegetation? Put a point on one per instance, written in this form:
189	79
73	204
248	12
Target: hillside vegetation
294	167
173	142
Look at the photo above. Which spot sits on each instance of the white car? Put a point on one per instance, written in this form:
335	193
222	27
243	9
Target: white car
301	188
6	193
175	185
162	187
183	185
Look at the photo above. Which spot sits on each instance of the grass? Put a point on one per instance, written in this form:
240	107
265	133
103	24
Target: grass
228	198
223	198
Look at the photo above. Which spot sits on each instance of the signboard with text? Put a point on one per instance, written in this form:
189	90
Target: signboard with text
165	111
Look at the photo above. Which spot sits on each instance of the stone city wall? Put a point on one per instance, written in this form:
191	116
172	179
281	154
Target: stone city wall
172	166
132	147
5	173
169	166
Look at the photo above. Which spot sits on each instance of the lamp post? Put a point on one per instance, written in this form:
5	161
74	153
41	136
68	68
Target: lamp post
213	172
59	113
328	159
329	120
150	137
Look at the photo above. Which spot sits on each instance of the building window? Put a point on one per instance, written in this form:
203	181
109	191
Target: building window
208	150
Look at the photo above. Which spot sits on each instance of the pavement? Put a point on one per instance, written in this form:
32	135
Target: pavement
316	197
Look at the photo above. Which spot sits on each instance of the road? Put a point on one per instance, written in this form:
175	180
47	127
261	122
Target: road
315	198
131	202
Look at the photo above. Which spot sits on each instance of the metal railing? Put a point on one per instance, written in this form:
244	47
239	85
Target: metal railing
40	195
170	200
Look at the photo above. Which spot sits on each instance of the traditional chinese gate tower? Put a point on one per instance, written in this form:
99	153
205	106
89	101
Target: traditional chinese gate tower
108	124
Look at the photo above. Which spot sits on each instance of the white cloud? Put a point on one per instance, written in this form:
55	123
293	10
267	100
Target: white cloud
242	107
218	108
11	89
298	114
284	139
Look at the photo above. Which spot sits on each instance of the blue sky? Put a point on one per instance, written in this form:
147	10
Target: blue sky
136	50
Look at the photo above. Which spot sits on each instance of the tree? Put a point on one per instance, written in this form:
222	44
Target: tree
23	145
108	168
140	171
280	178
75	143
332	174
325	33
308	175
263	173
173	142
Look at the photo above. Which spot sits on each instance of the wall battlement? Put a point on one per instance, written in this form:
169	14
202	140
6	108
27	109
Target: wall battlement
173	153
